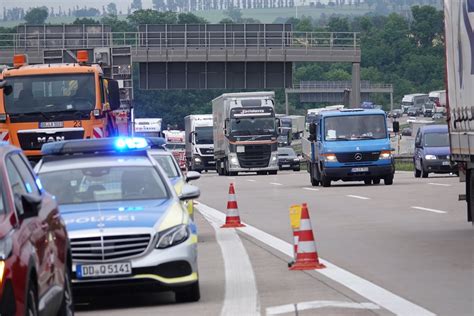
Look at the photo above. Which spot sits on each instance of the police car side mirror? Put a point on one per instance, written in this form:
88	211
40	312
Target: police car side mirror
192	175
189	192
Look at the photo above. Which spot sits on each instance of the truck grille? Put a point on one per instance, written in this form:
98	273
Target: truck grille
358	157
206	151
255	156
34	141
104	248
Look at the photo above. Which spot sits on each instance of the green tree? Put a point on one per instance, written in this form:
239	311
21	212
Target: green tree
234	14
82	21
189	18
427	25
36	16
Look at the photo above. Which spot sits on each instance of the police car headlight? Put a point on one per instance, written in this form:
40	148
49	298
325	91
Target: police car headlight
173	236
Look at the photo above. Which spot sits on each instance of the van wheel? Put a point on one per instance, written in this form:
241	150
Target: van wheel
32	300
188	294
424	174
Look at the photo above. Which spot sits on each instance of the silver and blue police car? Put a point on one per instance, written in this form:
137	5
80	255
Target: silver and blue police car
168	163
126	223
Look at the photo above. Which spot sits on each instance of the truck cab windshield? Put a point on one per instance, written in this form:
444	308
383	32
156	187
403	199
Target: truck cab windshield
51	93
203	135
253	126
355	127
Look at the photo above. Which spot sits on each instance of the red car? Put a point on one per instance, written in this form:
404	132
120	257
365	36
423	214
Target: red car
35	258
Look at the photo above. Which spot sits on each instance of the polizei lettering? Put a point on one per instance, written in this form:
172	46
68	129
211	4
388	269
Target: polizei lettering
50	139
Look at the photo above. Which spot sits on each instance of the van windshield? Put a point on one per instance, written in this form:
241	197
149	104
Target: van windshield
355	127
51	93
436	140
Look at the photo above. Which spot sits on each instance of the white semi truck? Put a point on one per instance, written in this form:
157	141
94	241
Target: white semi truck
459	33
199	143
245	133
147	127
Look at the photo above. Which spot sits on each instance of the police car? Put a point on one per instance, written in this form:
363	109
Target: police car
167	162
126	223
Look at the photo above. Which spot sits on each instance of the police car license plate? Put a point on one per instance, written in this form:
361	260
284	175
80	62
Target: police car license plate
360	169
100	270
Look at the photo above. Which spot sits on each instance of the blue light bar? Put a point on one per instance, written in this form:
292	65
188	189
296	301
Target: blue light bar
157	142
101	145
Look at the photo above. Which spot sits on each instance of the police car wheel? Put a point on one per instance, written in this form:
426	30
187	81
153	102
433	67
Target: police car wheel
188	294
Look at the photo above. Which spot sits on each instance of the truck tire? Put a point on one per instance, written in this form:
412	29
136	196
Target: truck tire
388	180
376	181
273	172
312	176
325	181
367	181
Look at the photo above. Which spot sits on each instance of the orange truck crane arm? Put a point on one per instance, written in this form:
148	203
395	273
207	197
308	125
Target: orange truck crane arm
55	102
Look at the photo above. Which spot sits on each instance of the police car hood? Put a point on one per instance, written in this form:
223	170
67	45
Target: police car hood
120	214
357	145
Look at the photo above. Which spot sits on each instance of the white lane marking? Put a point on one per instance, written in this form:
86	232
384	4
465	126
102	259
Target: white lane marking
384	298
358	197
275	183
294	308
251	180
440	184
311	189
241	295
428	209
231	178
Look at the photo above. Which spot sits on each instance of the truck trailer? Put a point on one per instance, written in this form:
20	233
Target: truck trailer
459	33
199	142
245	133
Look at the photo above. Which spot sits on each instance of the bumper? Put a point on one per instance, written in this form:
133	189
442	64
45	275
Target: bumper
288	165
158	269
239	169
206	163
439	166
349	174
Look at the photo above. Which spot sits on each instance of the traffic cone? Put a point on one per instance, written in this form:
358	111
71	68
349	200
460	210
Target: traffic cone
306	255
232	218
295	246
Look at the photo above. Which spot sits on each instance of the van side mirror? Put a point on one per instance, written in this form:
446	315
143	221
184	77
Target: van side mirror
190	137
226	130
30	204
114	94
396	126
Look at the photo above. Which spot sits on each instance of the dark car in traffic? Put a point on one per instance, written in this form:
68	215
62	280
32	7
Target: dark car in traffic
35	261
287	159
412	111
432	151
407	131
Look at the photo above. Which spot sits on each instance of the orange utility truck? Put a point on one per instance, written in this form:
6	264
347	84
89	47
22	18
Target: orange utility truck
54	102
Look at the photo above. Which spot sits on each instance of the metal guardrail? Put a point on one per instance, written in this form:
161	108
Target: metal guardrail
186	40
339	85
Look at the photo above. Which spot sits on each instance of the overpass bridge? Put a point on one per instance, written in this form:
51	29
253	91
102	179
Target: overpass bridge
198	56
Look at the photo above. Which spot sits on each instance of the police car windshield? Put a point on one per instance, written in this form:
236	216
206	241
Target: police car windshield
105	184
51	93
167	163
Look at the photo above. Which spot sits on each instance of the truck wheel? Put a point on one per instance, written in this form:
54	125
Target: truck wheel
376	181
368	181
325	181
273	172
388	180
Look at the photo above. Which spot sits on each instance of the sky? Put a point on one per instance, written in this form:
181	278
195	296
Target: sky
121	4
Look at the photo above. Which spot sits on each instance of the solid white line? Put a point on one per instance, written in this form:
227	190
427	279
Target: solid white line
440	184
358	197
293	308
428	209
241	295
251	180
275	183
369	290
311	189
231	178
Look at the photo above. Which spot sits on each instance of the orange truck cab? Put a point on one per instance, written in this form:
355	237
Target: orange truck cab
54	102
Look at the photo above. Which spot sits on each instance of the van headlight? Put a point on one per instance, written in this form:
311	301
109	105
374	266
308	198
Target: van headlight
173	236
430	157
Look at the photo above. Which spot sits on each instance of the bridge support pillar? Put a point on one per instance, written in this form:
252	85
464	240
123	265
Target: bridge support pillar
286	103
355	91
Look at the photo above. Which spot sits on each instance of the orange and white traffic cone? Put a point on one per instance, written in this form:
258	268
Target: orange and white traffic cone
307	255
232	218
295	246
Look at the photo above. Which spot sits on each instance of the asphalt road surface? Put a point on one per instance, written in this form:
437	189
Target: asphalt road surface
403	249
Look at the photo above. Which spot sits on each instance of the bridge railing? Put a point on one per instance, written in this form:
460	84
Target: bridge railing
339	85
183	40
